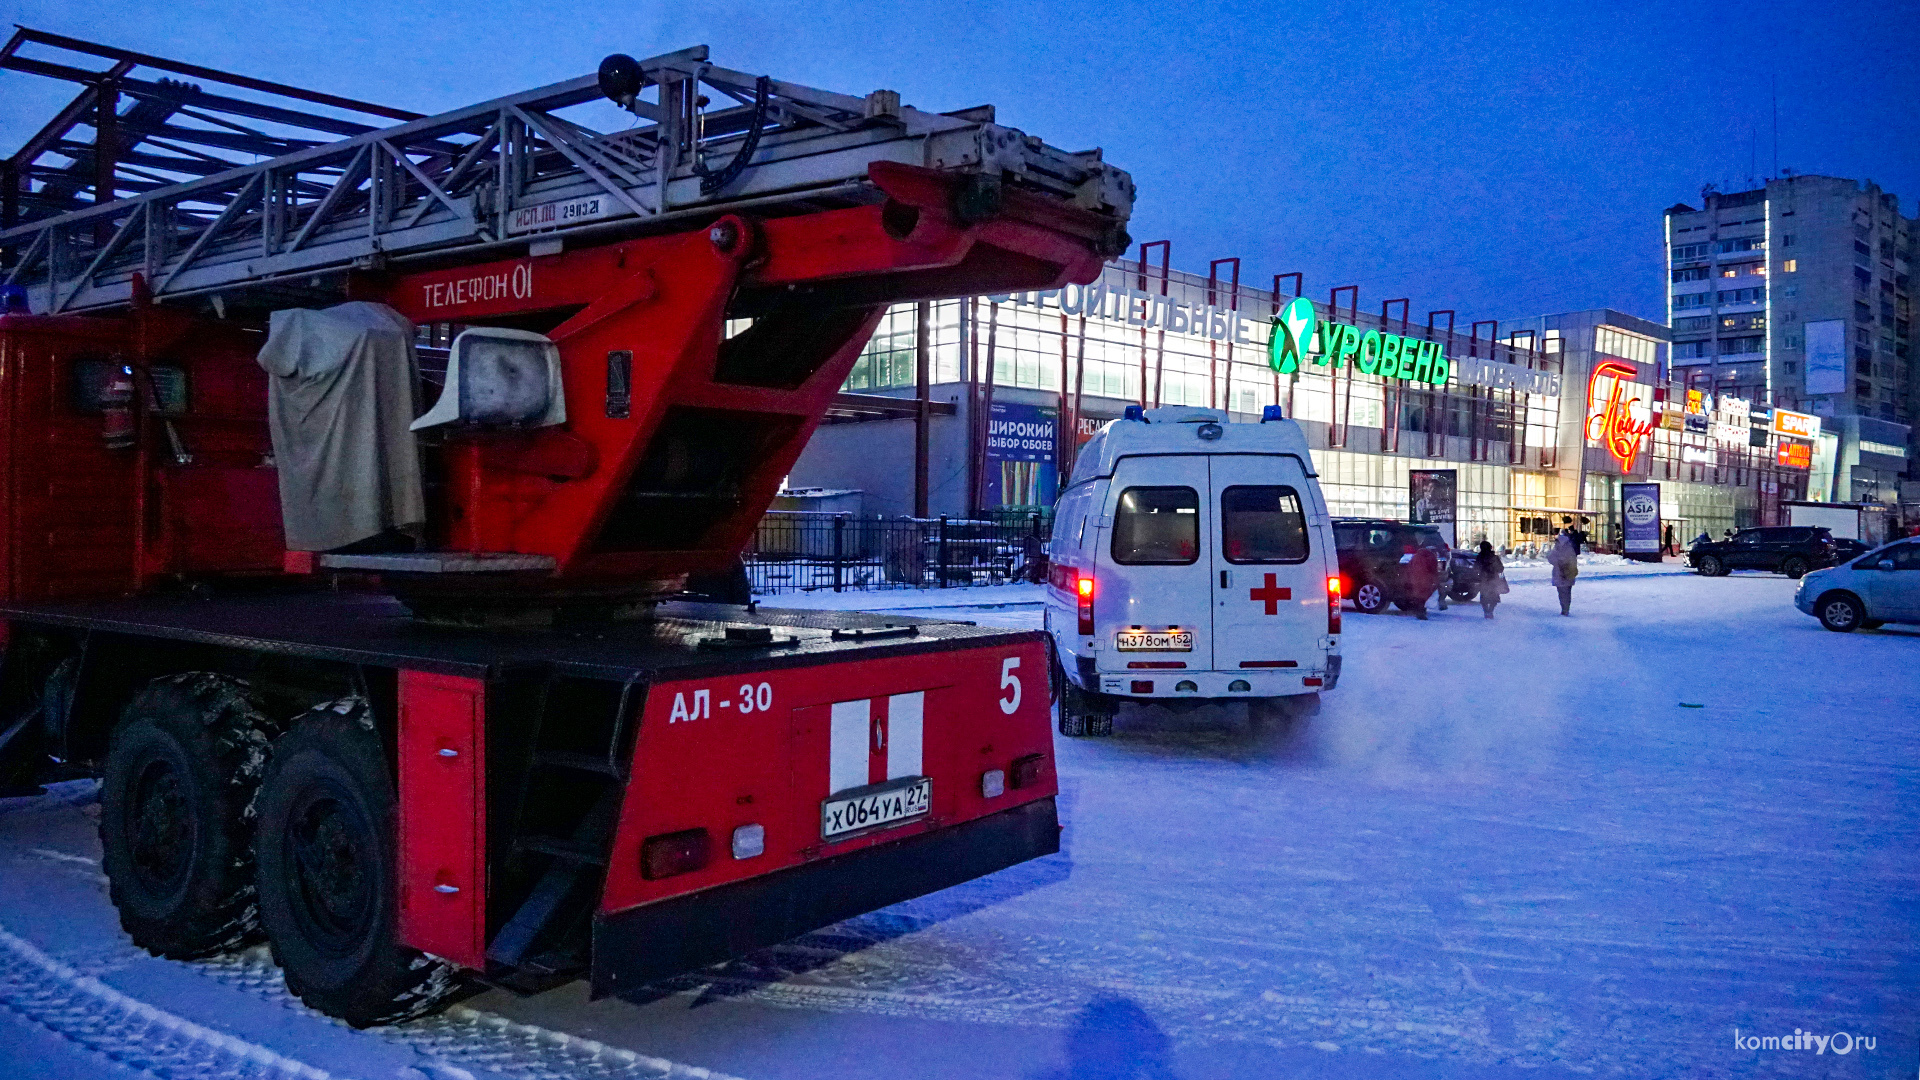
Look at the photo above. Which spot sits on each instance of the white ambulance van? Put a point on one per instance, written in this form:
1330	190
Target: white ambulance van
1192	560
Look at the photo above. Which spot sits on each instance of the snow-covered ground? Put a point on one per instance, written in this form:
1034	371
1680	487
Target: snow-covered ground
1533	846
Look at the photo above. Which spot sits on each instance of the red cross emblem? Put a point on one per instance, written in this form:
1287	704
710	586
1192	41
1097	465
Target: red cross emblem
1272	593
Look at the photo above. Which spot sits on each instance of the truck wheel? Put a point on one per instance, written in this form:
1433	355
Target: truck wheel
1841	613
1794	567
329	894
1368	599
176	810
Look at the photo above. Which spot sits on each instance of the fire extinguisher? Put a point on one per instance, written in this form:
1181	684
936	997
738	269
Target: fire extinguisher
116	402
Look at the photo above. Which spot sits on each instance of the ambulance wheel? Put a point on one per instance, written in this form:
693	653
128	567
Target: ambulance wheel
1368	599
1083	713
329	889
176	808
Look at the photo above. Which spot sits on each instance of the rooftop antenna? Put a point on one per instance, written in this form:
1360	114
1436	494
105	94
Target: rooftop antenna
1776	125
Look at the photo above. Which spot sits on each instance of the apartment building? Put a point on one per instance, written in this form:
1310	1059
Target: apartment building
1799	295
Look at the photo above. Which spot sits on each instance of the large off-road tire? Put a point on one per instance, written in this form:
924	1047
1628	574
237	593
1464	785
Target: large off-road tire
176	814
329	888
1840	613
1369	598
1794	567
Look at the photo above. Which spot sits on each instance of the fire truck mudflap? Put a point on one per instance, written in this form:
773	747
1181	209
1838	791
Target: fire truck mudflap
766	804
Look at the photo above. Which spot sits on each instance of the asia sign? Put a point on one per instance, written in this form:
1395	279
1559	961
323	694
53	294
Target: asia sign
1619	422
1641	507
1300	334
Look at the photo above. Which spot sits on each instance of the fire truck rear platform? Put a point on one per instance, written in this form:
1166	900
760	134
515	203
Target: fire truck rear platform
649	799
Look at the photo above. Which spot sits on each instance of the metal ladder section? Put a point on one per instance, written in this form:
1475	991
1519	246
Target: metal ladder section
560	825
483	180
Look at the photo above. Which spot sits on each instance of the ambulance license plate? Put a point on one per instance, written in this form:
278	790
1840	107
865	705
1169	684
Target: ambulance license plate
1154	641
872	807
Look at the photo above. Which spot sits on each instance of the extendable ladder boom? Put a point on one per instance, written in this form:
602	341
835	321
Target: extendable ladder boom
487	180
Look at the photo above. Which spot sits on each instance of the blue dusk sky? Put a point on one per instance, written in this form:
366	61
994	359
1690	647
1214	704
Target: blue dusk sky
1503	160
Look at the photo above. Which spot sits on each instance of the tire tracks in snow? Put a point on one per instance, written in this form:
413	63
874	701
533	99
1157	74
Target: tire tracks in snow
463	1038
127	1031
145	1038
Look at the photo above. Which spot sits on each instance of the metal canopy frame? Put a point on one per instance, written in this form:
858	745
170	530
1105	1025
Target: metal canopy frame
452	187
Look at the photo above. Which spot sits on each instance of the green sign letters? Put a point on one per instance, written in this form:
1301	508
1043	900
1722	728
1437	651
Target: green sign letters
1298	333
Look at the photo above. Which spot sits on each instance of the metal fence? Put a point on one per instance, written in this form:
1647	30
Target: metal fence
809	552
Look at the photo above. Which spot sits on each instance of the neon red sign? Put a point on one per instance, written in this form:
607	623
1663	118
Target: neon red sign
1613	425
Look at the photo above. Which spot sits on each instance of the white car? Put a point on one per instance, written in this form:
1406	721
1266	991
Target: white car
1192	560
1881	586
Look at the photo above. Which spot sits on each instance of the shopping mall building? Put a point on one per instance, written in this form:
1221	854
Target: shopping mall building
971	407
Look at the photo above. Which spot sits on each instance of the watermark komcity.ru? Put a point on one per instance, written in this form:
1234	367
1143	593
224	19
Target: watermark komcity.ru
1839	1042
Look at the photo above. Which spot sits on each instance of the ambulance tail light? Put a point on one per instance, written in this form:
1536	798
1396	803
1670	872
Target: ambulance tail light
1333	603
1083	592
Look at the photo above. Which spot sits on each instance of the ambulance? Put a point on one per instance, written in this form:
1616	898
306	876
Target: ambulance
1192	560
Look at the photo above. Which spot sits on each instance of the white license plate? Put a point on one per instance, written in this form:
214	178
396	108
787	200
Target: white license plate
871	808
1154	641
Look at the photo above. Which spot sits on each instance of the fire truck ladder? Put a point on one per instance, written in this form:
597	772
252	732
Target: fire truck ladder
509	173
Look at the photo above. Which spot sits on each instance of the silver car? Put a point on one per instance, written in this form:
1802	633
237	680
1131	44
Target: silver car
1879	587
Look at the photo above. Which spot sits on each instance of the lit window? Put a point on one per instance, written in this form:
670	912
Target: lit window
1790	266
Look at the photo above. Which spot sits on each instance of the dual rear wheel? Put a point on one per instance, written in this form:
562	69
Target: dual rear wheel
216	828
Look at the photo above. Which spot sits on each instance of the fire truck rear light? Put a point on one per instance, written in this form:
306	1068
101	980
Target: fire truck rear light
749	841
1026	770
993	784
674	853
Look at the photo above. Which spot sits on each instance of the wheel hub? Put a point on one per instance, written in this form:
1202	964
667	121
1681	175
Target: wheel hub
162	828
334	890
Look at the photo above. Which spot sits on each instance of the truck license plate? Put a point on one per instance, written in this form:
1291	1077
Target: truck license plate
1154	641
883	804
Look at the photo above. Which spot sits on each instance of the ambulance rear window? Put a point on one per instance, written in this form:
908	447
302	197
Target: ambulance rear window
1157	525
1262	524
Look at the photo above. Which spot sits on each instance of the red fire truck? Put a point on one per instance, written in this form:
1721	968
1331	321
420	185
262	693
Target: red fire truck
502	754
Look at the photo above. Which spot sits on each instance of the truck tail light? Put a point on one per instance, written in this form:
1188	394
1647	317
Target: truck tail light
1083	591
674	853
1025	771
1333	604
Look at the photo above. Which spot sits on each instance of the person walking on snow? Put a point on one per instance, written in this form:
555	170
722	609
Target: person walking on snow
1493	578
1565	560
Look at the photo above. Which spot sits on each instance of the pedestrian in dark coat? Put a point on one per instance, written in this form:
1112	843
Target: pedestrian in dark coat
1493	578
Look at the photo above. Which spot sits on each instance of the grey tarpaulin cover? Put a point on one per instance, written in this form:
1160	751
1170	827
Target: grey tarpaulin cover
339	403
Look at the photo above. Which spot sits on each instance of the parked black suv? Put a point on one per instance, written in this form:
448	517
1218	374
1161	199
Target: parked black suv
1791	550
1380	563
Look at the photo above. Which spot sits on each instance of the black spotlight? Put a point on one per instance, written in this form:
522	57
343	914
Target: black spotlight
620	79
